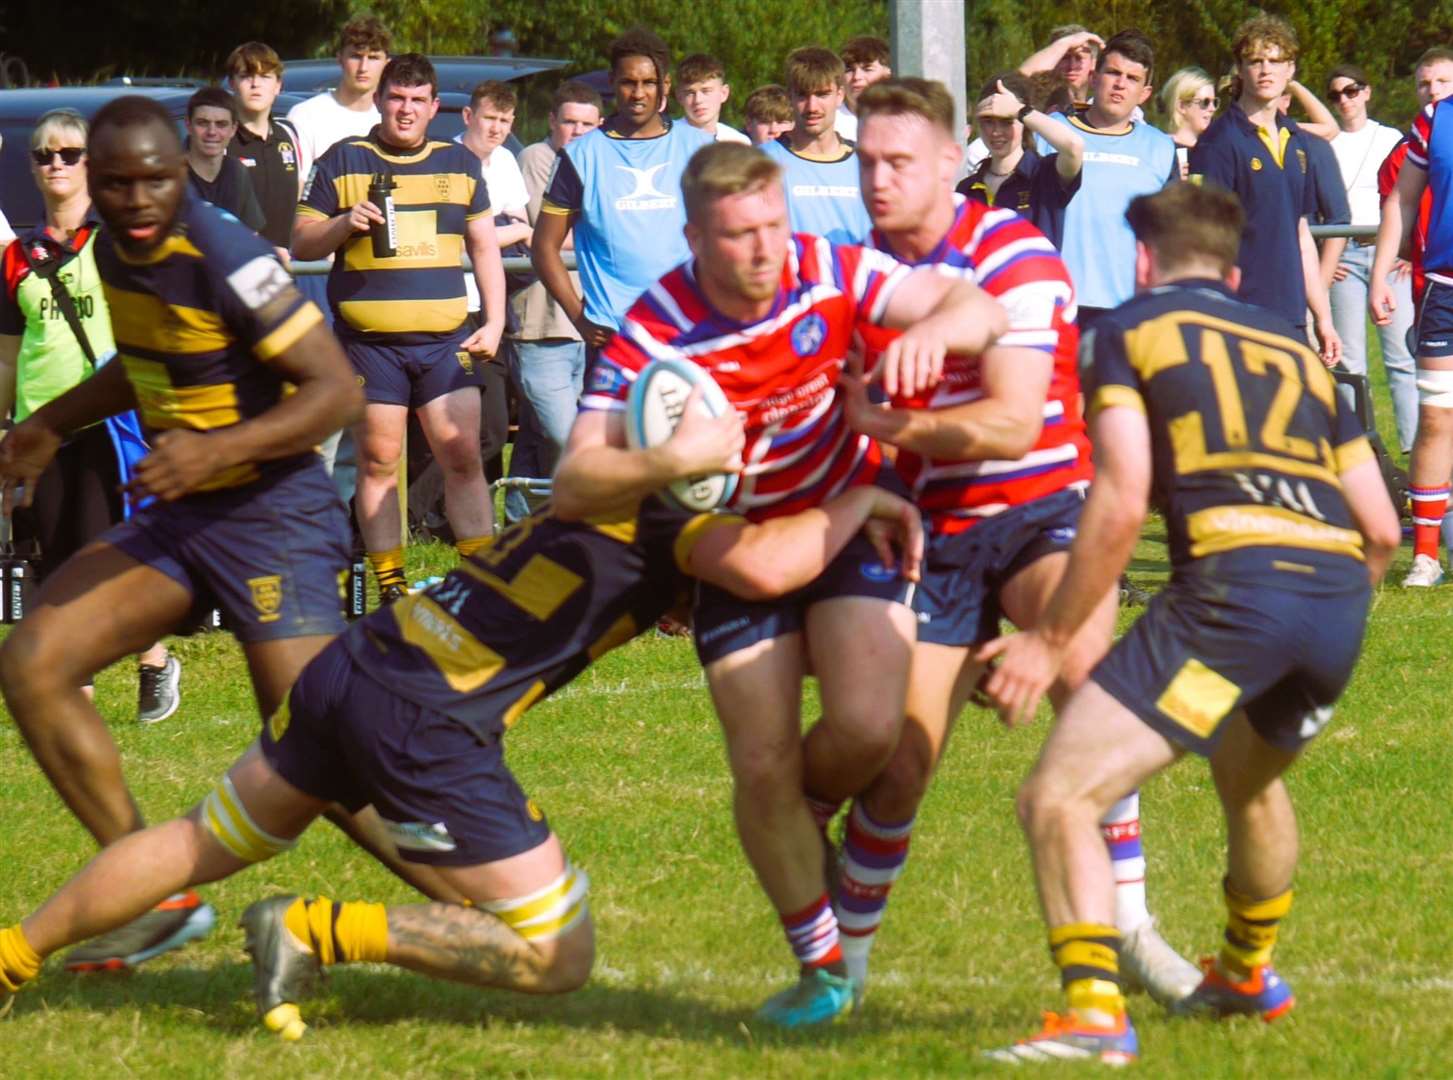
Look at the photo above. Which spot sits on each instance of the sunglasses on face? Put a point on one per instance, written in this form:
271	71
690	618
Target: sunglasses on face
1351	90
70	155
1202	102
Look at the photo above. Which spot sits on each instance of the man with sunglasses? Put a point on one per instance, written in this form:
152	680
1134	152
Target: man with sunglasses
1361	147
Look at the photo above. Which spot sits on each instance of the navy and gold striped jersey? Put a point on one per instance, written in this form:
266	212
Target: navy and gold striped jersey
1247	431
191	330
417	294
516	621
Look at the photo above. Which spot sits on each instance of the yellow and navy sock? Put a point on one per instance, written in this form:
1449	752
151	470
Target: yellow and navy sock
19	963
472	545
340	933
1251	929
388	567
1088	958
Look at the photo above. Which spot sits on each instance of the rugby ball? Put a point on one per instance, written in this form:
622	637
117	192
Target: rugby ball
653	409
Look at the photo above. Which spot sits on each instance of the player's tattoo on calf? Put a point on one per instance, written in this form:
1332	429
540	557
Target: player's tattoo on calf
462	944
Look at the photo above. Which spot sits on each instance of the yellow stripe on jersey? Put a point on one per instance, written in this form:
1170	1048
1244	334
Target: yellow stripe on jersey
694	530
405	316
619	632
1354	453
518	709
144	321
465	662
289	333
174	244
420	246
538	588
1111	396
1226	528
162	405
1198	698
619	524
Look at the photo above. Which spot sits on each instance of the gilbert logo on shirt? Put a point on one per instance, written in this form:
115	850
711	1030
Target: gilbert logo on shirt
645	195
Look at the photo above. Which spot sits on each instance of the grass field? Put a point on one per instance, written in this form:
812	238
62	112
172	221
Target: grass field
627	762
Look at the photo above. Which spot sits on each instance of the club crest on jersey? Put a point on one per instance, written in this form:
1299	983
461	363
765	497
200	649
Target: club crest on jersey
606	379
809	334
288	154
466	361
267	596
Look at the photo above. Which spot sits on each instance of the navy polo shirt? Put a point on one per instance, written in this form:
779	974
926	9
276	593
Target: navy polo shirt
1033	190
1275	190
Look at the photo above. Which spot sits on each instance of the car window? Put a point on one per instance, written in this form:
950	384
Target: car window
19	198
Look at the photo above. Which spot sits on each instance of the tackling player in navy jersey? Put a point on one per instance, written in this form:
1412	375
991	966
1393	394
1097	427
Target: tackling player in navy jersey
1278	521
407	710
210	331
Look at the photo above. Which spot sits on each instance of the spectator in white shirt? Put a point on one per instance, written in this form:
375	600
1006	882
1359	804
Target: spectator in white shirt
1361	147
701	90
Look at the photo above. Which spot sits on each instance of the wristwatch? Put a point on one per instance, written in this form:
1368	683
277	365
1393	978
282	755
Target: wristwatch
1025	111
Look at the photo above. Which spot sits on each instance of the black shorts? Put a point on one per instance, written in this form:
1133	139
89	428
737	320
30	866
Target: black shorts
447	798
724	624
957	602
1204	649
1435	322
273	555
413	375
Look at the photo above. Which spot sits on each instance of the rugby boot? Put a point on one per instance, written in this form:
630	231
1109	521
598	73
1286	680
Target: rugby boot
1149	963
1264	993
1068	1038
170	925
284	971
819	997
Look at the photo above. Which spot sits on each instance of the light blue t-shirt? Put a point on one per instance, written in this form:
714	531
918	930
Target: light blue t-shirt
1097	244
627	194
824	198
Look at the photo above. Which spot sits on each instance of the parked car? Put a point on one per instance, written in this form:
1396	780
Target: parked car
20	109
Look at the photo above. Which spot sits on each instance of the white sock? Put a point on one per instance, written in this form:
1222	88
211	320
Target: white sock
1121	829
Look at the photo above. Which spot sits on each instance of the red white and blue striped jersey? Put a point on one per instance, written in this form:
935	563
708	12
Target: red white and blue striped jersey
781	372
1430	148
1016	264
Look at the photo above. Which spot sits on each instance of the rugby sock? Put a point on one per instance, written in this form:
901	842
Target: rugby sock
388	567
1429	506
823	811
19	963
1088	958
471	544
1121	829
340	933
1251	928
873	857
812	933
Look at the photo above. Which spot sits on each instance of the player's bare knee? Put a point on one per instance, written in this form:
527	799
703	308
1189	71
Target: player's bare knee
904	781
570	961
28	662
459	458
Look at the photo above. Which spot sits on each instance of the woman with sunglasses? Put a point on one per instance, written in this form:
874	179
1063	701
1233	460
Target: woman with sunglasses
1189	102
41	357
1361	147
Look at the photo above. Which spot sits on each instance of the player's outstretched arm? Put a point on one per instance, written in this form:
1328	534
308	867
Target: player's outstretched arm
938	315
1003	424
1376	518
598	473
766	560
327	398
1109	527
31	444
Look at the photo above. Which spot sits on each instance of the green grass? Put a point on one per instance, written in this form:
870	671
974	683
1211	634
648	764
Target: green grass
628	764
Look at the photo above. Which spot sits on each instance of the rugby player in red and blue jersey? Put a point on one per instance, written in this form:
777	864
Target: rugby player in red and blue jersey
772	317
997	457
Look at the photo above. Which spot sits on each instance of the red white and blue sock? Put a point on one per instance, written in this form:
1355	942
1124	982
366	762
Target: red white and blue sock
873	856
1429	506
1121	829
813	935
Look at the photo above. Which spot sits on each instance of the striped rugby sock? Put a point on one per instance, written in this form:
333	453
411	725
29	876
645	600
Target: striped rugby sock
813	935
1121	829
1429	506
873	856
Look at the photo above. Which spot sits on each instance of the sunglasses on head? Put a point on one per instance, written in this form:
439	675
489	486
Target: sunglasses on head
68	154
1350	90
